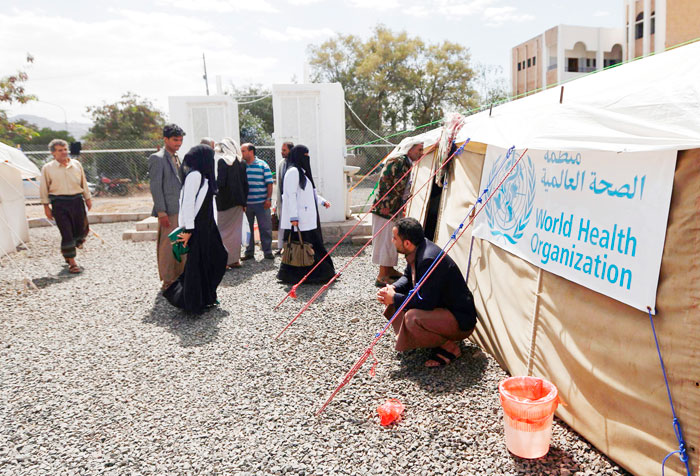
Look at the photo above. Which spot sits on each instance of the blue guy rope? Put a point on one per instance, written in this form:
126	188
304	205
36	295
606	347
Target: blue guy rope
471	245
453	237
681	451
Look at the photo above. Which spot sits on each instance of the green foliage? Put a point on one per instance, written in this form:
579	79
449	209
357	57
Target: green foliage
258	106
252	129
491	84
46	135
130	118
395	81
11	91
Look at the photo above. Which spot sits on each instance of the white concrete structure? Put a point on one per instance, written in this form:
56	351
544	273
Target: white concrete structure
314	115
204	116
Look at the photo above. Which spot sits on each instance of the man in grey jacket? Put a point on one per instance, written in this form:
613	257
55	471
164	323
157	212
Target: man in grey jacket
166	182
279	176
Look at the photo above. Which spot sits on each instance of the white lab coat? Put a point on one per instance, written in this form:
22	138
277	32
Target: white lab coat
191	199
297	203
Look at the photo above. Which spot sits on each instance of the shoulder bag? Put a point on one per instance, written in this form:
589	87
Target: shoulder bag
297	254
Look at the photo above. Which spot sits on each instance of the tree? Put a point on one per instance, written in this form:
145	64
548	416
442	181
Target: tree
392	80
254	103
252	129
130	118
130	123
11	91
491	84
45	134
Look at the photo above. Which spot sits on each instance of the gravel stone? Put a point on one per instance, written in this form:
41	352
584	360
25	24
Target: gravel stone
100	375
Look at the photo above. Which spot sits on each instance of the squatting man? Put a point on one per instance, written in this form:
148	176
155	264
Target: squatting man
442	313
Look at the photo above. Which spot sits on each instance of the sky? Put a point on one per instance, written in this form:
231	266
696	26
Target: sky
90	52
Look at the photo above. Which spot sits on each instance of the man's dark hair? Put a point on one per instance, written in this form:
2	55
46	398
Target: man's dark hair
289	144
173	130
410	229
250	147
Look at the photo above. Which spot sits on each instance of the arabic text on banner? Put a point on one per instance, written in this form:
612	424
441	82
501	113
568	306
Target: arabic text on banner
595	218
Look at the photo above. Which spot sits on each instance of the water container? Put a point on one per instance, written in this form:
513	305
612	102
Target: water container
528	410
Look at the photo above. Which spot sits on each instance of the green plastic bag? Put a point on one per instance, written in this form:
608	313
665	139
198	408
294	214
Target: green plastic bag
179	248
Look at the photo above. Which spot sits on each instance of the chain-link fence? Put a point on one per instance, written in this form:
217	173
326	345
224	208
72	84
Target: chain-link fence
126	161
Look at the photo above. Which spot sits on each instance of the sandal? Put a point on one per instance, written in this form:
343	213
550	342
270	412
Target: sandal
381	282
441	356
74	269
237	264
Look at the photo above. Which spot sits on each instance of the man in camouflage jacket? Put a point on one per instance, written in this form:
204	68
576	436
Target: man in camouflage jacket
394	171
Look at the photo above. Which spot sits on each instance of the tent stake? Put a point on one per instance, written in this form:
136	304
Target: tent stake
490	109
561	95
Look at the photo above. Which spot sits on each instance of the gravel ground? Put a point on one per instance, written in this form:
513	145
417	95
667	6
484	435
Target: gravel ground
100	375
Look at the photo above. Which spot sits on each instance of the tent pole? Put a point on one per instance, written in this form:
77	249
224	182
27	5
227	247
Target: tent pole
535	319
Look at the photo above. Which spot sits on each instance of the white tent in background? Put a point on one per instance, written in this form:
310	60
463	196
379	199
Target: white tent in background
598	351
14	166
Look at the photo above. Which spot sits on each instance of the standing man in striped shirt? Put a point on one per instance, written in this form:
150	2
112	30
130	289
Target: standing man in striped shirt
259	201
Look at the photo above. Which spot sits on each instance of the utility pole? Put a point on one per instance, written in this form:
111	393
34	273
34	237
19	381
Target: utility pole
206	79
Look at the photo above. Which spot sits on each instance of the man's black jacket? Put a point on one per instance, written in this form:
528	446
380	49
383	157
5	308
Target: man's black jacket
232	183
444	288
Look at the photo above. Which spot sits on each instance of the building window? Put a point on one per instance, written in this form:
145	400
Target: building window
572	65
529	62
653	22
639	26
523	64
519	66
534	60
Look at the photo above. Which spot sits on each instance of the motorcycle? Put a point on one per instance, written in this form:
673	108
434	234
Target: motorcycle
107	186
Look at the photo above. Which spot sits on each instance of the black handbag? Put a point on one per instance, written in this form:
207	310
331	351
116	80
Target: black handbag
297	254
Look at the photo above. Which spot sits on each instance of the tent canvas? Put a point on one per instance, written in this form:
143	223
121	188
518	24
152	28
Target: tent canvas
599	352
14	166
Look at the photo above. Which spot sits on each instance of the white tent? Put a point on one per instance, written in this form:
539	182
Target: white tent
649	104
14	166
599	352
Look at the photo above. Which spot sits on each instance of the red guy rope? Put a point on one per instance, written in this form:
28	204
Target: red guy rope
345	266
355	368
293	292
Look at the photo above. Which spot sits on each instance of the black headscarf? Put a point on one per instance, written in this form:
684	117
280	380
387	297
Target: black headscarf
201	159
299	158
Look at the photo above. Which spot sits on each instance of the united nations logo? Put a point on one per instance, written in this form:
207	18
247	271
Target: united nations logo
508	212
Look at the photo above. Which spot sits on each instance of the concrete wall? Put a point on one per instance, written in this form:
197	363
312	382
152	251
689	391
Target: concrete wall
204	116
530	76
314	115
682	21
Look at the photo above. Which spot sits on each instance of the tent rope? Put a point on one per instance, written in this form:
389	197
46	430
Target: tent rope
345	266
456	235
682	453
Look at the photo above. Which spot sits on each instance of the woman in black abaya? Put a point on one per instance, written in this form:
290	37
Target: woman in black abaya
195	289
300	212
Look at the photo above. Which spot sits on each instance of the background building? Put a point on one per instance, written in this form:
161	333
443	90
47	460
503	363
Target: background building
654	25
566	52
563	53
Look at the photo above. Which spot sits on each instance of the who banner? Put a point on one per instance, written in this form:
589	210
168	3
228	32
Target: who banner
595	218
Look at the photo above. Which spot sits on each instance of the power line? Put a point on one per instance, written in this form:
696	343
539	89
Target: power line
366	126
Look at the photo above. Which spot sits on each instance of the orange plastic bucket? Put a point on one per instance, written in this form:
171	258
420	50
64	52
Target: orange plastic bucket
528	410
